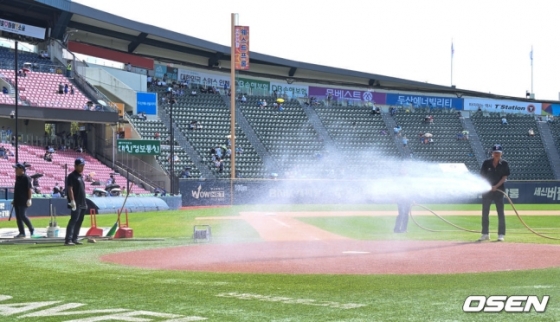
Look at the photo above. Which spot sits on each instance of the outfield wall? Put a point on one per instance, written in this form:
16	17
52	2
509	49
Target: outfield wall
241	192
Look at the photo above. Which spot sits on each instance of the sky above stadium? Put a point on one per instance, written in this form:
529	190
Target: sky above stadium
409	39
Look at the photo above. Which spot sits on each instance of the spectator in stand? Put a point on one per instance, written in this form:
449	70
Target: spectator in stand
60	88
128	67
504	121
393	111
48	156
2	151
56	191
156	136
142	116
264	103
239	150
71	89
243	99
404	141
65	88
185	173
193	92
397	130
531	132
465	135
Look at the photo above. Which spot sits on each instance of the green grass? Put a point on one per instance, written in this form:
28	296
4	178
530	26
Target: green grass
54	273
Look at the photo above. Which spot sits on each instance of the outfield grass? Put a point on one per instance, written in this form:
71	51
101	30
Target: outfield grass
34	273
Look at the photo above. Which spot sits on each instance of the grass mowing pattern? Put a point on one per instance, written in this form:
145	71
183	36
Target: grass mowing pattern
52	272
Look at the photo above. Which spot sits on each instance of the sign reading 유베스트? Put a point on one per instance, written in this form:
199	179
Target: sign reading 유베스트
143	147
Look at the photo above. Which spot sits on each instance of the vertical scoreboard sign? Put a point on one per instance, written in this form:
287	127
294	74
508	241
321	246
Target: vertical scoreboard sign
145	147
241	47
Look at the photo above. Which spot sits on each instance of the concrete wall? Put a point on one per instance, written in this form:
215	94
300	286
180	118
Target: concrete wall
135	81
101	78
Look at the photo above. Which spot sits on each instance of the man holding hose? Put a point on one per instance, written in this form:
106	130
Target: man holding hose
495	170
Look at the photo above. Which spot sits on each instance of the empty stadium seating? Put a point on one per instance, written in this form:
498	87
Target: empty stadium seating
54	172
287	135
147	130
211	111
41	89
445	127
526	154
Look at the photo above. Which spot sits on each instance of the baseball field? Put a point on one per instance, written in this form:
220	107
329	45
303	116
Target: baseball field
287	263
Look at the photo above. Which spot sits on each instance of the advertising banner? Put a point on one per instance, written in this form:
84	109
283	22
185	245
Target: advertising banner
247	84
289	89
424	101
502	106
348	94
241	47
162	70
551	109
143	147
201	78
22	29
217	192
205	193
146	102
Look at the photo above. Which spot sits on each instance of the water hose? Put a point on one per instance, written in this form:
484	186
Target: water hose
477	231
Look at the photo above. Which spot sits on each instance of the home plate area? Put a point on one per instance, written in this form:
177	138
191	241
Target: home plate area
291	246
346	257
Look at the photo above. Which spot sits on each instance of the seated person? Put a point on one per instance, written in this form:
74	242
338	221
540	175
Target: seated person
47	157
204	89
211	90
2	151
504	121
60	88
193	92
56	191
35	182
185	173
531	132
156	135
89	177
142	116
111	180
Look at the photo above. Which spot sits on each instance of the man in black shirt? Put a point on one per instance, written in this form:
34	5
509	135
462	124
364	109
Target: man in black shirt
76	190
495	170
22	199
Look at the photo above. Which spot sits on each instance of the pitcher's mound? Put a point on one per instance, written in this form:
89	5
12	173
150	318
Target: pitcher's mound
346	257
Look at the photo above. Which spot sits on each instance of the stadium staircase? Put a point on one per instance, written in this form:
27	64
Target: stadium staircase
320	128
474	140
147	130
214	116
287	135
550	147
526	154
391	124
199	168
242	122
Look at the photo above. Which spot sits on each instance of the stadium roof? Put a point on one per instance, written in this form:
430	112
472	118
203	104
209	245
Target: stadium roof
103	29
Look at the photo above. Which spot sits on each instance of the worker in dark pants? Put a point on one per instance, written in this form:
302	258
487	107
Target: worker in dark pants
401	223
76	192
495	170
404	202
22	200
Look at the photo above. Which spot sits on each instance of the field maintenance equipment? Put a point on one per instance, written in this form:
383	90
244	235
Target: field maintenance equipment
53	228
124	230
202	232
94	231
